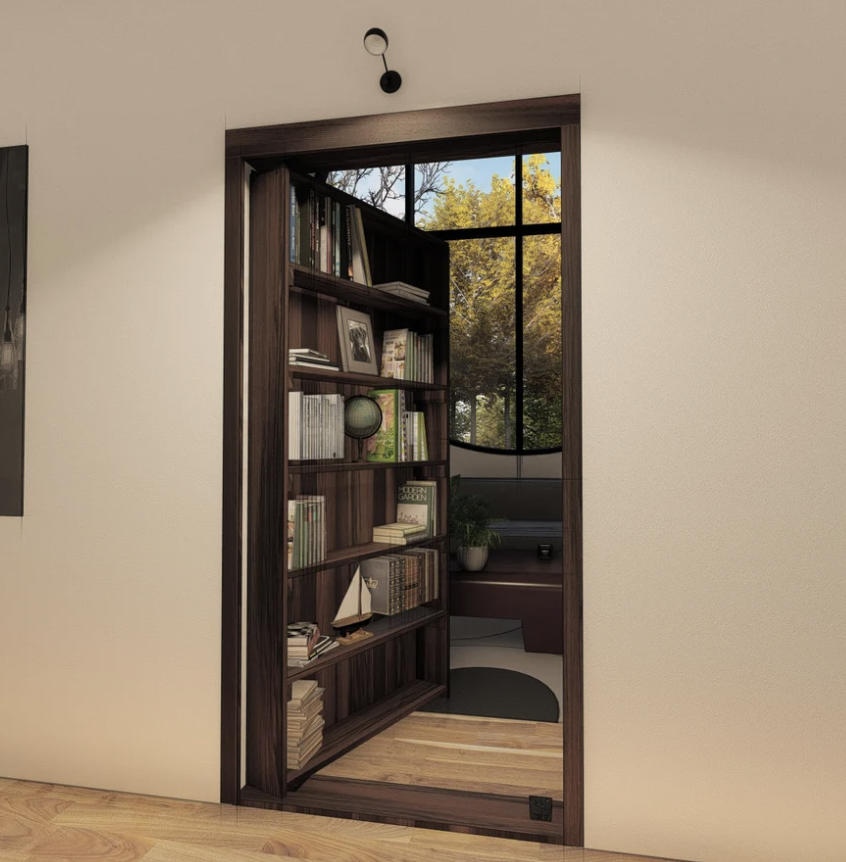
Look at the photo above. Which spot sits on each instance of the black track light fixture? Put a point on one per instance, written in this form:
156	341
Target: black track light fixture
376	43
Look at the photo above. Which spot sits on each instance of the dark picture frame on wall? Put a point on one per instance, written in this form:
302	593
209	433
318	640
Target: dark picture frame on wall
14	177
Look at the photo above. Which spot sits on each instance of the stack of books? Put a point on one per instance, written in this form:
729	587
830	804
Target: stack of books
306	531
315	426
408	355
304	356
406	291
399	534
402	581
402	434
417	503
328	236
305	722
306	644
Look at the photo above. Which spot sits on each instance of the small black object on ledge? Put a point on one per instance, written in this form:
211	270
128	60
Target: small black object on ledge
545	552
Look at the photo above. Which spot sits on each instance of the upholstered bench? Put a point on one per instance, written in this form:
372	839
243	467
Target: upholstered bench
515	584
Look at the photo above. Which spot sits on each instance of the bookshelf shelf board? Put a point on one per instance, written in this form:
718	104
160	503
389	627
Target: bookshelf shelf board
350	467
361	725
300	372
382	630
360	294
356	553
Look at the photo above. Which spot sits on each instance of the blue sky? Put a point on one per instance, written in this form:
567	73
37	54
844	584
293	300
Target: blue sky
479	171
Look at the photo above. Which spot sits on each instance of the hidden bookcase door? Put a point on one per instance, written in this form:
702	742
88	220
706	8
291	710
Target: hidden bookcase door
295	292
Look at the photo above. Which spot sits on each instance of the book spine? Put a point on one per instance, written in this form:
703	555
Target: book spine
365	257
347	248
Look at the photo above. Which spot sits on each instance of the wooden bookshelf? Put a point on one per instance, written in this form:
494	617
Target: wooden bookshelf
359	294
321	375
366	723
347	466
357	553
383	629
369	685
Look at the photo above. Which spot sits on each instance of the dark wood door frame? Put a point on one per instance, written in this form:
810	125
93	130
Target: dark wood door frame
397	139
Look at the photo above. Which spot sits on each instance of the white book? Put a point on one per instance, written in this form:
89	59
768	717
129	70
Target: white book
307	351
294	426
401	285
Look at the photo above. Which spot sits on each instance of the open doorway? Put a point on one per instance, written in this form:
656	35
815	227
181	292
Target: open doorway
514	441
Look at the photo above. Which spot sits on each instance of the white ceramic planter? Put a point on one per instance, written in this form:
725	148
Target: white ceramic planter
473	559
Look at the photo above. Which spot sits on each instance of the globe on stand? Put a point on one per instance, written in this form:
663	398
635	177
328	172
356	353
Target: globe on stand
362	419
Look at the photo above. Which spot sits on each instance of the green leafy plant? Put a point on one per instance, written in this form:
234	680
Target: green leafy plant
470	518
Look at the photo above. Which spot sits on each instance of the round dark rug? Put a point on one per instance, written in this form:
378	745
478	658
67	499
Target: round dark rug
496	693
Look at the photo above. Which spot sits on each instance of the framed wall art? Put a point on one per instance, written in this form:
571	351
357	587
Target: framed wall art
14	170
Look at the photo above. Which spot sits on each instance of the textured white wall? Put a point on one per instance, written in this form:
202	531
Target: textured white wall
714	211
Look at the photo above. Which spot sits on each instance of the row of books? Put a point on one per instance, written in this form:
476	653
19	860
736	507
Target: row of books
399	582
328	236
408	355
402	434
305	722
306	643
315	426
306	531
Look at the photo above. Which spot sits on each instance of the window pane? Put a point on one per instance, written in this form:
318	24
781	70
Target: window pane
383	188
464	194
542	359
482	342
542	188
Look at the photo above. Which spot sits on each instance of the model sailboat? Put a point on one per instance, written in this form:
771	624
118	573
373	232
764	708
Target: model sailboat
355	611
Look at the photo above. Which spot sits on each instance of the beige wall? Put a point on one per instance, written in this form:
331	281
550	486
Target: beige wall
714	351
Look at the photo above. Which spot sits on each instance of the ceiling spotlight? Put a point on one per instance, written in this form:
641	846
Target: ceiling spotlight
376	43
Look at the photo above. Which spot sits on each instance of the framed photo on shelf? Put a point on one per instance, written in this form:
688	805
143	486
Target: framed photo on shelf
355	334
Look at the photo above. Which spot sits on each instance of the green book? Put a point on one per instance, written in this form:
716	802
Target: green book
383	446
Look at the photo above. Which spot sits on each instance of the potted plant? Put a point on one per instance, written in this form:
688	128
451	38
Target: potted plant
470	526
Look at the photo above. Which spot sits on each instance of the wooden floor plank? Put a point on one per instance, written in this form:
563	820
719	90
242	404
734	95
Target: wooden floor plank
465	753
50	823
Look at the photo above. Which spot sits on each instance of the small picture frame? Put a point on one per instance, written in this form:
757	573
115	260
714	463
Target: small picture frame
355	336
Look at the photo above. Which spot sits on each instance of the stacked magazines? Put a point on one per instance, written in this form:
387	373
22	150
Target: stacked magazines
399	534
305	722
305	644
311	358
406	291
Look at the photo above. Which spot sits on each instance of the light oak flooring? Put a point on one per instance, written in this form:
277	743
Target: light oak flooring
462	752
40	822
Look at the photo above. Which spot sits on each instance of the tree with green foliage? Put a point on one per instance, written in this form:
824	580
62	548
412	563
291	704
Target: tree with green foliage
482	295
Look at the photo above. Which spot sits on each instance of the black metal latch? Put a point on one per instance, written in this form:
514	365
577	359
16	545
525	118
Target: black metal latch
540	808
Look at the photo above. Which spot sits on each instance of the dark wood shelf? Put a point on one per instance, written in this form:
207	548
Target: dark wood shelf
360	294
513	561
344	735
349	467
356	553
300	372
382	630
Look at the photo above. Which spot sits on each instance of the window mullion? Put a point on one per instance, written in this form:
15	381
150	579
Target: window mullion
409	194
518	301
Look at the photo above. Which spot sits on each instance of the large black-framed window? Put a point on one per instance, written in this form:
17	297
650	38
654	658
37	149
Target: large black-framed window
516	379
505	285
